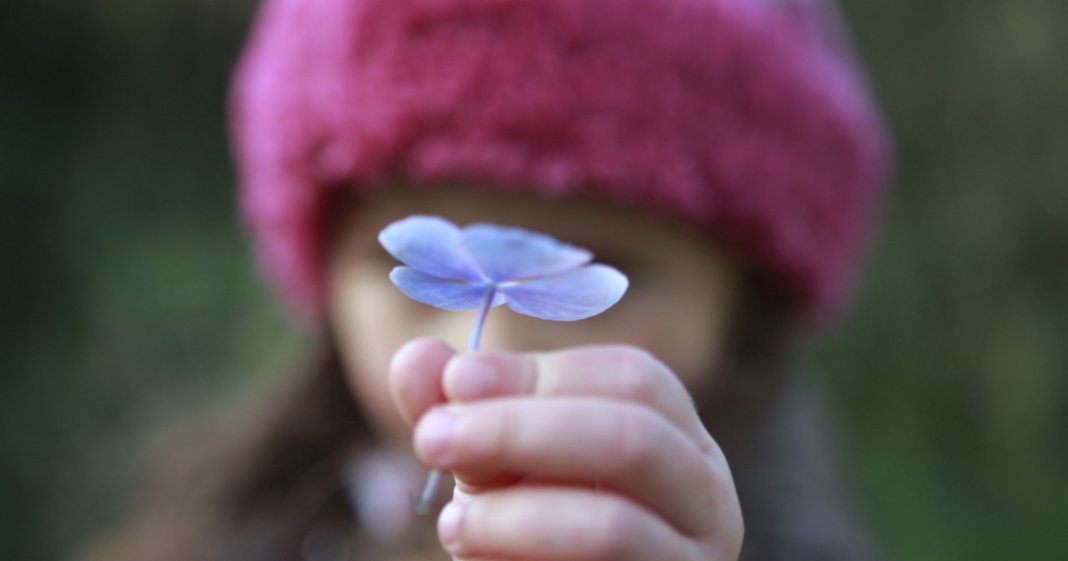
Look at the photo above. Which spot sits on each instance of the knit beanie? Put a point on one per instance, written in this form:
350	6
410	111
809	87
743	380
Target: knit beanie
744	118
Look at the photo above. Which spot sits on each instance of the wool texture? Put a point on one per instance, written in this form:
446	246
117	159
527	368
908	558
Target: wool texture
745	118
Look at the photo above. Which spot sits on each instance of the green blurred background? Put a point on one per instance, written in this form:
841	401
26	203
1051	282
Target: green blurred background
130	301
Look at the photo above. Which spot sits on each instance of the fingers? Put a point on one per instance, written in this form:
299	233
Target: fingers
614	372
557	524
415	376
619	429
620	446
425	372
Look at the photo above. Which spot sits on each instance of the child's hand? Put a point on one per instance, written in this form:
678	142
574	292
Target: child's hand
592	453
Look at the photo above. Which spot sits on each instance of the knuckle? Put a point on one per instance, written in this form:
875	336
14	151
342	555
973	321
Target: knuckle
610	538
640	431
642	377
719	464
725	542
719	472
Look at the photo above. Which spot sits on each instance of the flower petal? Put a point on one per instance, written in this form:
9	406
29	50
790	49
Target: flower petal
446	294
506	254
572	296
431	245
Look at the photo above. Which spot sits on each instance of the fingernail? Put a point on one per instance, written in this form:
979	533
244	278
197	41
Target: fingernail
433	436
449	523
471	378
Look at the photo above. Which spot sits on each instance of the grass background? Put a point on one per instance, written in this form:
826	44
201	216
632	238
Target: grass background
129	299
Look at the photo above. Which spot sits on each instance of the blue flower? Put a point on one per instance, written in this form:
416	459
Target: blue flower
483	266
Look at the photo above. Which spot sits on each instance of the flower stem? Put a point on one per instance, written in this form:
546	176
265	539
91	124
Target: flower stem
480	320
421	503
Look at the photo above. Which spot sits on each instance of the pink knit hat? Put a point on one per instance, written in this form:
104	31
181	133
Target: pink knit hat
744	117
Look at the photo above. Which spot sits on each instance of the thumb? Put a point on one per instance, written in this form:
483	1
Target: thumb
415	377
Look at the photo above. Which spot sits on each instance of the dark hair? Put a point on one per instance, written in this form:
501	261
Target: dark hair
257	487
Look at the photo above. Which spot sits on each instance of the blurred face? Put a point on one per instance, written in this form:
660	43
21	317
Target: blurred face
678	305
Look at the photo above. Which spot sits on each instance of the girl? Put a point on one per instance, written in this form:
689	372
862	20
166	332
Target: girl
722	153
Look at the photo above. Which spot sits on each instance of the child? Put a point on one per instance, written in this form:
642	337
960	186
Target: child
722	153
